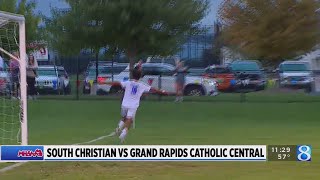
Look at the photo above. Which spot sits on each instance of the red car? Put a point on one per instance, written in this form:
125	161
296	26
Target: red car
223	76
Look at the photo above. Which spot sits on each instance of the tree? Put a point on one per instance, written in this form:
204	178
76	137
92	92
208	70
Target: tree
64	36
270	30
136	27
26	8
152	27
75	29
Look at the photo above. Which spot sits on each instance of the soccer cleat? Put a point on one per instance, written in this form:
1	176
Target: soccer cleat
118	131
178	99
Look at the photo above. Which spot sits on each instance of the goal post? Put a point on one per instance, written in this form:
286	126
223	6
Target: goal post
6	19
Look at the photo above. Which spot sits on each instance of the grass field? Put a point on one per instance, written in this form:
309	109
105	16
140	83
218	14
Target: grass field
68	122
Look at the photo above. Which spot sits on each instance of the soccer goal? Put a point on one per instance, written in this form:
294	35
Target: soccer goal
13	84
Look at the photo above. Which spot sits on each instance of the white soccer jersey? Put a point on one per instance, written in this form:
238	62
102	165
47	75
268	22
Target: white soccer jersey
133	93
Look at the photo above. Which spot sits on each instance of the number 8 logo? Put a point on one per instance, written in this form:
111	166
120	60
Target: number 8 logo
304	153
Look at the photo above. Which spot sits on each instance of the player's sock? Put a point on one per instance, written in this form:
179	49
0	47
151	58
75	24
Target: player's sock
120	127
121	124
178	99
123	135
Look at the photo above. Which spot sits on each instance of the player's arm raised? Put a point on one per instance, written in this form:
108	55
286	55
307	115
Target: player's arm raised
157	91
111	83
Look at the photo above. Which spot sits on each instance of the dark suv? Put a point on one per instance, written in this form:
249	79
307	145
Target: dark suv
249	75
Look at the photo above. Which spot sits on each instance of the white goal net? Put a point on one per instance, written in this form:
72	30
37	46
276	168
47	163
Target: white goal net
13	86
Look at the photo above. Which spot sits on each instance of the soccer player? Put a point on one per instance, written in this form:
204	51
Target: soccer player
134	89
14	66
181	72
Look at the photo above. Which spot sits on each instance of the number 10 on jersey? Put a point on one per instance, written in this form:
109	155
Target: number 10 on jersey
134	89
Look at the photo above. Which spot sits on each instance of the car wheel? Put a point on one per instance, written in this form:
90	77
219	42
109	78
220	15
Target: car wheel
194	91
59	92
260	88
116	90
281	86
308	89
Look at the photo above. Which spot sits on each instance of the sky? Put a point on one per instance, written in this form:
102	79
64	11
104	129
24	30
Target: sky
44	8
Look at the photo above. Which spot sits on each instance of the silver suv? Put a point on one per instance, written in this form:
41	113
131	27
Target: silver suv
52	79
296	74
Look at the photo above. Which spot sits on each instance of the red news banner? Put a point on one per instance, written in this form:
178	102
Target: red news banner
156	153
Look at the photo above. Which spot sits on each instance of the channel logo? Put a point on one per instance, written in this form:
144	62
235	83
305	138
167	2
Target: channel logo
22	153
304	152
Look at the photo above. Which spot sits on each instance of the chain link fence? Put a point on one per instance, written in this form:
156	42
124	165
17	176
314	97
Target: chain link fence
54	82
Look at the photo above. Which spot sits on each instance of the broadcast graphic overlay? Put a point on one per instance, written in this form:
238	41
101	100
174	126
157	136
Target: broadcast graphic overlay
289	153
135	153
21	153
304	152
156	153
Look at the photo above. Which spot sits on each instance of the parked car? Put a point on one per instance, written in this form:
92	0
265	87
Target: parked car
162	75
223	75
249	75
106	71
100	63
52	79
296	74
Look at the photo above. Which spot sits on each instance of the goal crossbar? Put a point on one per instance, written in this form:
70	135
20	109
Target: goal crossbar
12	17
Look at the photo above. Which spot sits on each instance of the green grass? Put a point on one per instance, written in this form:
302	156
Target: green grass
67	122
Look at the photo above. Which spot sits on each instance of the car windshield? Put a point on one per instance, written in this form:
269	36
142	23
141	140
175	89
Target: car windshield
46	72
196	72
293	67
245	67
106	70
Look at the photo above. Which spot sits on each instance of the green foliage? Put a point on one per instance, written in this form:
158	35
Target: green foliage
270	30
25	8
152	27
63	31
134	27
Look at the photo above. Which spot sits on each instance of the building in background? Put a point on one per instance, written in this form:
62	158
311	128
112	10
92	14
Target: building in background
40	51
196	45
313	58
228	55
